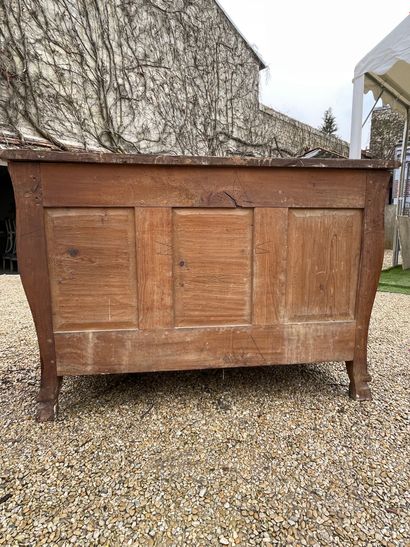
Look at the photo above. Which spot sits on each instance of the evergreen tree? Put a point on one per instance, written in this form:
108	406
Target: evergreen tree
329	125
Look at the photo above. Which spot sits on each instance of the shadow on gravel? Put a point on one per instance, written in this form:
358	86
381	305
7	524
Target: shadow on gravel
280	382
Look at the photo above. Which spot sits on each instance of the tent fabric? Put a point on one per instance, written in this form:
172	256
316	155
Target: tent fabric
389	64
385	68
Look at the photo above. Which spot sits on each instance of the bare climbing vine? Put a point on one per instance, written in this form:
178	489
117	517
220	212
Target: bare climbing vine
161	76
128	75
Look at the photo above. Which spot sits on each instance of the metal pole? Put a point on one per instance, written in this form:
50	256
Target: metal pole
373	107
400	197
406	182
355	151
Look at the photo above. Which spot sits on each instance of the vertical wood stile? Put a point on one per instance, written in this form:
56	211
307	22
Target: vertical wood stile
269	274
370	266
153	226
33	267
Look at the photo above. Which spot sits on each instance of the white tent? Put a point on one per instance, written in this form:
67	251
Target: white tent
385	71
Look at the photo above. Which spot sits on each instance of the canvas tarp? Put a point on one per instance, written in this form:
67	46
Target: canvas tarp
388	65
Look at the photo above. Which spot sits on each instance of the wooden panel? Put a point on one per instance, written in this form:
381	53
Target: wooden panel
92	267
179	349
270	251
154	264
212	267
323	263
166	186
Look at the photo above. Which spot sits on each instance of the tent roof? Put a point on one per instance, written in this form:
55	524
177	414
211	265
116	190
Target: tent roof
387	66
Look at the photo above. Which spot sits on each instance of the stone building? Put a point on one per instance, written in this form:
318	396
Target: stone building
396	175
296	138
386	132
147	76
134	76
385	143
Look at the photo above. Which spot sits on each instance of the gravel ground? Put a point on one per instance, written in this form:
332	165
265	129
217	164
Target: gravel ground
266	456
387	262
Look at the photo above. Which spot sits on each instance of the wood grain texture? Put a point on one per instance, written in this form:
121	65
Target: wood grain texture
92	268
32	257
323	264
77	185
269	274
151	159
164	264
182	349
371	261
212	267
154	264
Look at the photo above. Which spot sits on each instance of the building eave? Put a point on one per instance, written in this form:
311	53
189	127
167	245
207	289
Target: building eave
262	64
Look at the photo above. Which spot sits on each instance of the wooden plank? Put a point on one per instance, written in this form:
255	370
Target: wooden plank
75	185
371	261
212	266
92	266
269	275
323	264
107	352
148	159
32	260
154	266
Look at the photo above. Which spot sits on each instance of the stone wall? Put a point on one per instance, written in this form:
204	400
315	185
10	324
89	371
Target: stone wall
295	138
385	143
386	132
172	77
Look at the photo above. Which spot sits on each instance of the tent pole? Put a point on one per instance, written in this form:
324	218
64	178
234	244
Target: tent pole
401	198
373	107
355	151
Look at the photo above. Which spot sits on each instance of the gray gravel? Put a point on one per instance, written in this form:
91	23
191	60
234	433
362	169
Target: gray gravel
266	456
388	256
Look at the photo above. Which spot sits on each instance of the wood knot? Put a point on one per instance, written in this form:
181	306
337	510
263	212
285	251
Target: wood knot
73	252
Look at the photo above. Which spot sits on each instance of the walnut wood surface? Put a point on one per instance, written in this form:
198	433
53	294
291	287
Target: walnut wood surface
270	265
171	264
153	228
92	265
212	267
323	262
77	185
141	159
371	261
33	266
109	352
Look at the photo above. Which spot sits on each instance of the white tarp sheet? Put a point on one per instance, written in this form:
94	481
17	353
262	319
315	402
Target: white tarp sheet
385	68
389	61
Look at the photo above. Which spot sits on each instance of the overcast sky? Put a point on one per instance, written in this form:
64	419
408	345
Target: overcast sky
311	48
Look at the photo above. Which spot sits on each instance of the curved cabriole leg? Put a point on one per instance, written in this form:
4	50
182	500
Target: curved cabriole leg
48	400
33	266
371	261
359	389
